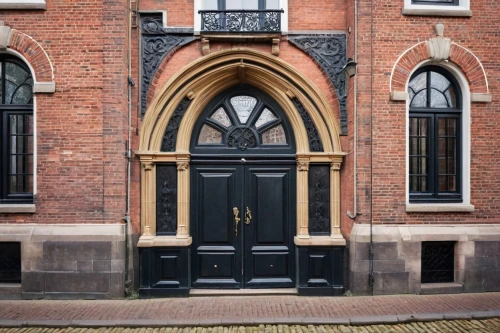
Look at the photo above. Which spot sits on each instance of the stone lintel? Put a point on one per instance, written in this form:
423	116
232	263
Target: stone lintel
481	98
399	96
44	87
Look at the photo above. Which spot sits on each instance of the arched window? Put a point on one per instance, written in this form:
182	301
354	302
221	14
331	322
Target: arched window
16	126
244	120
435	128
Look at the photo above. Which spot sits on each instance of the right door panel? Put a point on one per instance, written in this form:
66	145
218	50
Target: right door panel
268	246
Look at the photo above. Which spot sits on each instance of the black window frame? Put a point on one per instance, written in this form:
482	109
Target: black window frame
435	3
433	195
7	110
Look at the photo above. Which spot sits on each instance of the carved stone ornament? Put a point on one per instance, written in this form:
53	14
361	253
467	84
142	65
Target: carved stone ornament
148	166
329	51
182	166
312	133
157	43
303	166
439	47
335	166
170	135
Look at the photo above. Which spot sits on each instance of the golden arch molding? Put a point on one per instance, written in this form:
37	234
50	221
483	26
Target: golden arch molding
201	81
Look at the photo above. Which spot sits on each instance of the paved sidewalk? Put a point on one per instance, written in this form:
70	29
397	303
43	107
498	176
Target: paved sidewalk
249	310
475	326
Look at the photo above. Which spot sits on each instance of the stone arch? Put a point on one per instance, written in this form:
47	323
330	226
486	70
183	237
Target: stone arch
208	76
33	53
463	58
189	91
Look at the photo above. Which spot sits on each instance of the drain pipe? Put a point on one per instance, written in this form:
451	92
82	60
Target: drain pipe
355	152
372	277
128	155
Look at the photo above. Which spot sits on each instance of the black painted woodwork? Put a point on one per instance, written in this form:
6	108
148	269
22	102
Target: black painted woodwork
156	43
170	136
166	199
321	271
330	52
319	199
312	133
261	254
231	143
10	262
164	272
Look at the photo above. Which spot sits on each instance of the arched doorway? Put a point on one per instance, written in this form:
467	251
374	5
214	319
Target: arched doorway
243	188
292	155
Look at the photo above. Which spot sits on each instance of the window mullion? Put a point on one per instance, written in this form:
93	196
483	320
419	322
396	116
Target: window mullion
434	158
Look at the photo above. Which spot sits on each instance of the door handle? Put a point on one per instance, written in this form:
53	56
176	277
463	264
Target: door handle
248	217
236	213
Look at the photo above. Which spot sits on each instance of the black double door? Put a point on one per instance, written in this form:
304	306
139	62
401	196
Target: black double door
243	223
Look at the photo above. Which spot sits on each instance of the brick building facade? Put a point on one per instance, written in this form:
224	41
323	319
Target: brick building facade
183	145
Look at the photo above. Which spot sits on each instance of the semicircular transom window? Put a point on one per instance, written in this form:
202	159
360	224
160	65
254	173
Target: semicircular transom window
243	122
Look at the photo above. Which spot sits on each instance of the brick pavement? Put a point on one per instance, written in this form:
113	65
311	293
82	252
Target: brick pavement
254	309
476	326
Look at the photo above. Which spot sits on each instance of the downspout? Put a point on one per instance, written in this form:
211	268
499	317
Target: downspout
371	277
355	176
128	155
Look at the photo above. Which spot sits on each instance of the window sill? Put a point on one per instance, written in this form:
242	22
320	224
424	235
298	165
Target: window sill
439	208
164	241
438	11
20	208
23	4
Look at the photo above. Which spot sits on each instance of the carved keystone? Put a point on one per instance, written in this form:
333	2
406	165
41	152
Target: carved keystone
439	47
5	33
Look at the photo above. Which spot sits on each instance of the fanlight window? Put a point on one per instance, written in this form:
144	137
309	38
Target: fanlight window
242	122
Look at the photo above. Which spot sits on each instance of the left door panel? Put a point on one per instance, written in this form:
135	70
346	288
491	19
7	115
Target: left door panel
215	191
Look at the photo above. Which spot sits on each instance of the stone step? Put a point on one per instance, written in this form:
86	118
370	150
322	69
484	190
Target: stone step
441	288
242	292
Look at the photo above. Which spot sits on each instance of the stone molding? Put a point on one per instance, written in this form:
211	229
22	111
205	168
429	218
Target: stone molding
439	208
23	4
17	208
437	49
63	232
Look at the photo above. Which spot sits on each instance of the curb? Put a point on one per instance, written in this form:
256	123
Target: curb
353	321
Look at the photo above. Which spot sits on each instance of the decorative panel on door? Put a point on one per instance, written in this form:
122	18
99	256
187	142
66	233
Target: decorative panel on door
269	248
217	258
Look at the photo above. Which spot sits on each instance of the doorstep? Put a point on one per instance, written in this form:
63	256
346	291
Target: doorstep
243	292
441	288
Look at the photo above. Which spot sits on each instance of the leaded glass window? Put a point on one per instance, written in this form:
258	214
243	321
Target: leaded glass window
244	120
16	124
434	136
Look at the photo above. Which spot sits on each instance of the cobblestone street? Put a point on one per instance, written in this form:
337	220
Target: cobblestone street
476	326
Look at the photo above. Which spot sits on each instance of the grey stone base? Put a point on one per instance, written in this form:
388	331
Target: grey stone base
68	261
397	258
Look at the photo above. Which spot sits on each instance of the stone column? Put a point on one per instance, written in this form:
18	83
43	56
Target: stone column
335	199
183	198
148	189
302	197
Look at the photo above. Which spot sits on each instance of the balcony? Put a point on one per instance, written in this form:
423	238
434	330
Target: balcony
241	21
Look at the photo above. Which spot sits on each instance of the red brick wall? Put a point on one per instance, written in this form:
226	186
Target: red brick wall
81	128
394	33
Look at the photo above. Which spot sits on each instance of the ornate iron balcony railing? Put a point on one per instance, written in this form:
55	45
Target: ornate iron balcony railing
241	20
